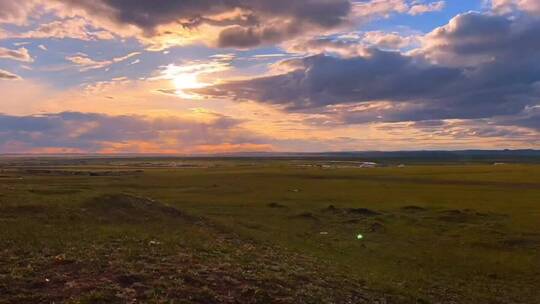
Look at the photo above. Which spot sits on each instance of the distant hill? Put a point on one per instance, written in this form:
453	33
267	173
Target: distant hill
436	156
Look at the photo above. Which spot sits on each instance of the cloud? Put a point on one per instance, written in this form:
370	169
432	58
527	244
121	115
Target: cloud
531	6
386	40
330	45
5	75
529	118
16	12
99	133
352	44
385	8
478	66
74	28
86	63
322	80
523	125
420	8
20	54
509	6
91	132
477	129
194	74
377	8
238	23
475	38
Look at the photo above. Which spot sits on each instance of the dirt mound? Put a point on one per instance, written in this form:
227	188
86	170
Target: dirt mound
362	212
377	227
306	216
332	209
350	211
465	215
413	208
129	207
276	205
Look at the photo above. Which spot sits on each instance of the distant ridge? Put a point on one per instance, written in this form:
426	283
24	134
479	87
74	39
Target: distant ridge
412	153
521	155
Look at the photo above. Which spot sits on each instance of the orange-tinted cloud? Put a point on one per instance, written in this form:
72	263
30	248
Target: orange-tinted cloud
90	132
20	54
5	75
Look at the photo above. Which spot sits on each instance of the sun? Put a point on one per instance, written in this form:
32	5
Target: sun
193	75
184	82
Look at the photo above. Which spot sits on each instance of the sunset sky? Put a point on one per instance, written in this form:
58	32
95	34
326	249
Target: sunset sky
212	76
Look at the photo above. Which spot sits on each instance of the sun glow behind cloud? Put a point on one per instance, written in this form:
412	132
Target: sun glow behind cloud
194	75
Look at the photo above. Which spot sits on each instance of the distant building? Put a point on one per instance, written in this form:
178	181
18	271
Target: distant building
367	165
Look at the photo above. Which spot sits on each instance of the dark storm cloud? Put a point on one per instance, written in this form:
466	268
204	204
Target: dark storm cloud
238	36
443	92
426	84
529	118
93	132
322	80
245	23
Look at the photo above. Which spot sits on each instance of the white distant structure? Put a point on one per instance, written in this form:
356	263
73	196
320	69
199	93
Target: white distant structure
499	164
401	166
367	165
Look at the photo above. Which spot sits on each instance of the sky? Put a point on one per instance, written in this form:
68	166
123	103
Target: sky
221	76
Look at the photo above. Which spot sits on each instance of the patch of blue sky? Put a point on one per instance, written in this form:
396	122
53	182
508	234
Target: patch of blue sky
428	21
52	67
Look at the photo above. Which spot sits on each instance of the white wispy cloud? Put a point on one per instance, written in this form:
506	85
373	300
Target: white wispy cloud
86	63
20	54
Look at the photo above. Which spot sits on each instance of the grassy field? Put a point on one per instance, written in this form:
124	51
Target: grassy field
267	231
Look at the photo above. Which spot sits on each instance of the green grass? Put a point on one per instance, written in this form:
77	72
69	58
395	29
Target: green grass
470	234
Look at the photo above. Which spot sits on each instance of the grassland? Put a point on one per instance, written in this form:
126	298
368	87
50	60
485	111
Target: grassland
267	231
